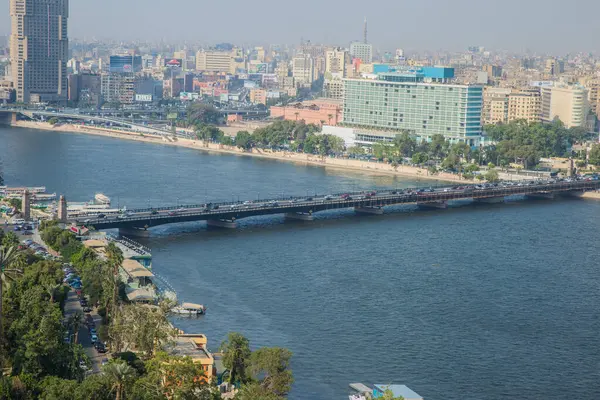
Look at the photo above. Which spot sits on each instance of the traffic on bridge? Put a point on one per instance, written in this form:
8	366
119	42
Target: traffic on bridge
224	214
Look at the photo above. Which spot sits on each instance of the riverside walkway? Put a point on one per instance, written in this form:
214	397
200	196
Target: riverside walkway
226	214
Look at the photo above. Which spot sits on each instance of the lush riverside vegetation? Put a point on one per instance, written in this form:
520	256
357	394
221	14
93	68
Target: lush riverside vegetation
37	361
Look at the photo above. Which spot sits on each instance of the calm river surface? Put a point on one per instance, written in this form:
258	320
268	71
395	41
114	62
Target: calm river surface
473	302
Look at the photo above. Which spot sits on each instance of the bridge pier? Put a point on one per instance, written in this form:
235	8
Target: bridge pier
434	204
490	200
134	232
573	193
222	223
369	210
300	216
541	195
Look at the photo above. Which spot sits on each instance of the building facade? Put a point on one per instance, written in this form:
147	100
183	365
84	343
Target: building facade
337	61
303	70
421	103
215	61
118	88
361	50
569	103
525	104
495	105
39	49
125	63
318	112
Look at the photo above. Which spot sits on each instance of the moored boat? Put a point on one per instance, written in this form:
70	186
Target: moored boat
189	309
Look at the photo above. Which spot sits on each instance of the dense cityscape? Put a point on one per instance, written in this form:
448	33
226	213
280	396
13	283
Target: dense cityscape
178	143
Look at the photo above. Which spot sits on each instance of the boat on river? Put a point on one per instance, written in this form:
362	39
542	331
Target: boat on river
101	198
189	309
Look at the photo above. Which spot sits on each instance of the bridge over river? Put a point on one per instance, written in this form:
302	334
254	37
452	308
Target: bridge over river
225	214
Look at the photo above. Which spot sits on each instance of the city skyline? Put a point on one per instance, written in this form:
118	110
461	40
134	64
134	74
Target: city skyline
516	26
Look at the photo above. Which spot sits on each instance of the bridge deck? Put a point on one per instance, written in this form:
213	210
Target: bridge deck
145	218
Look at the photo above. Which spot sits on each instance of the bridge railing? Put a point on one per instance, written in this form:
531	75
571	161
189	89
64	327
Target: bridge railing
388	199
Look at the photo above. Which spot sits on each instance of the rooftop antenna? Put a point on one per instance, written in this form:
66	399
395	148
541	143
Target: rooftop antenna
365	31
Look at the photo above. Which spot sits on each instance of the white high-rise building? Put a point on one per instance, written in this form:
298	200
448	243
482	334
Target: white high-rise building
569	103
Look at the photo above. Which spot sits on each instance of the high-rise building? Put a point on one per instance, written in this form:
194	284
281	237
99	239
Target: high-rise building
361	50
125	63
493	71
303	70
39	49
554	67
569	103
337	61
420	102
215	61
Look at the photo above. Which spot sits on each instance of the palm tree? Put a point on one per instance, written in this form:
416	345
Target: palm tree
75	322
296	114
115	260
8	256
120	375
329	117
51	288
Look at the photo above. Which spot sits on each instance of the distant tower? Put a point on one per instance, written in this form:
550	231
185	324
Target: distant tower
365	31
25	206
62	209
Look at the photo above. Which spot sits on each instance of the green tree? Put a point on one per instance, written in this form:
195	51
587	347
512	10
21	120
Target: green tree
405	144
16	203
389	395
227	141
270	366
8	256
53	121
236	354
200	113
244	140
255	391
419	158
10	240
594	156
54	388
115	259
121	376
492	176
356	151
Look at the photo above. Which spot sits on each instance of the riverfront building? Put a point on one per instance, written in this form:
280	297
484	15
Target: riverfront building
39	49
569	103
421	101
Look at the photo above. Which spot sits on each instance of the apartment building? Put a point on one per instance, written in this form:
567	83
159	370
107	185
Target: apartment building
303	70
337	61
525	104
495	105
420	101
39	49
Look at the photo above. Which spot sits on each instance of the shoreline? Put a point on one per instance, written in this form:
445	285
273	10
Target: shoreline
372	168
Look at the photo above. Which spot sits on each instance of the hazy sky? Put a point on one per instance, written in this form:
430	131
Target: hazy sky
557	26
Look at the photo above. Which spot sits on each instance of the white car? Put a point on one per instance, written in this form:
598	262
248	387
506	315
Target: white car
19	221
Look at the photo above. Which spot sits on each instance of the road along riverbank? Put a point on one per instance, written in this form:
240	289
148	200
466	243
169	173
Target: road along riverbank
376	168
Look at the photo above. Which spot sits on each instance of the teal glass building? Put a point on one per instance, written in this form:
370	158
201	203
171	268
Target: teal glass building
420	101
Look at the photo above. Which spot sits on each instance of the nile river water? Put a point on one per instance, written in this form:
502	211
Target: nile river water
473	302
